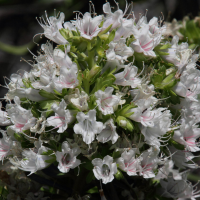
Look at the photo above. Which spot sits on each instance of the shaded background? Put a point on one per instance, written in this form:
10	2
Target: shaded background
18	26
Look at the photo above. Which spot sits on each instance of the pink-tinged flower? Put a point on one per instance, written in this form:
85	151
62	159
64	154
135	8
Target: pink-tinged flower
187	135
161	125
67	158
126	29
4	118
104	169
87	126
182	159
128	77
106	101
79	99
62	117
118	50
67	79
167	168
88	26
143	92
32	161
188	86
179	55
5	145
21	118
143	113
51	27
144	42
108	133
149	162
129	163
112	18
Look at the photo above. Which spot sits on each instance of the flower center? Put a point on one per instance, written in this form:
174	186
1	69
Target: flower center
105	170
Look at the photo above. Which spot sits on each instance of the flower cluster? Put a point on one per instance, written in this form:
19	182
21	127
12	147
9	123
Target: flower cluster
115	99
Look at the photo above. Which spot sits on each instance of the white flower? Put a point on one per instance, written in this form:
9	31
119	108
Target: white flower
17	88
128	77
88	26
112	18
21	118
106	101
5	145
62	117
179	55
118	50
51	28
63	60
104	169
87	126
79	99
149	162
188	86
126	29
143	92
173	28
67	158
128	163
161	124
144	43
187	135
167	168
32	161
144	113
4	118
108	133
67	79
182	159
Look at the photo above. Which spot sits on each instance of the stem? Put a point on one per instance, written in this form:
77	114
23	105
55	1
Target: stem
86	86
91	55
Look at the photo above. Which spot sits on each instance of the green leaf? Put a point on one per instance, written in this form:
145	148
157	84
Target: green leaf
158	76
64	92
57	93
93	190
52	160
35	111
99	48
46	104
88	165
116	154
27	83
111	36
103	82
165	46
90	177
105	31
48	95
169	82
47	153
66	33
176	144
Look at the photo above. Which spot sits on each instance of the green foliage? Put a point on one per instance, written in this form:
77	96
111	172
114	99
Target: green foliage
176	144
46	104
93	190
48	95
